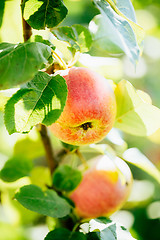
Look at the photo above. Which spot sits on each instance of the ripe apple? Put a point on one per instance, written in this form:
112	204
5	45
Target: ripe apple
104	188
90	108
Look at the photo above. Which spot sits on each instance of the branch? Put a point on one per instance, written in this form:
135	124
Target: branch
27	30
52	163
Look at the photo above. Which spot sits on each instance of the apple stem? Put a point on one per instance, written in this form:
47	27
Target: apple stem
59	59
52	163
27	30
83	160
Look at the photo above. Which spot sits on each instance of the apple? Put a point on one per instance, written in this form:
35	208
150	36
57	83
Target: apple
90	109
104	188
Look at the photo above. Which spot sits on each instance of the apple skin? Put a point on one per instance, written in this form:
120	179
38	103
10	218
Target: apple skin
90	109
104	188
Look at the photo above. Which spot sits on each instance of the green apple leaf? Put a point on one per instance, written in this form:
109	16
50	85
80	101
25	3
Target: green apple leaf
107	229
135	157
93	236
63	233
40	101
20	62
47	203
3	100
2	5
44	13
122	34
135	114
40	39
15	168
66	178
77	35
29	148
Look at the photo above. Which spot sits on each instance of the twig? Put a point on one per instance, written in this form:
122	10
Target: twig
27	30
52	163
83	160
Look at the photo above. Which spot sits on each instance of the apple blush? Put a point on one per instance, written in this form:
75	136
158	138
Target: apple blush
104	188
90	109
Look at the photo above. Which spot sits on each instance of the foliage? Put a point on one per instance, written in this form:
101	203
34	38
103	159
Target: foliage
33	94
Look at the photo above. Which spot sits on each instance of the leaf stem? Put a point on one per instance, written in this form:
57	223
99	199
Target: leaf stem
74	59
27	30
52	163
60	60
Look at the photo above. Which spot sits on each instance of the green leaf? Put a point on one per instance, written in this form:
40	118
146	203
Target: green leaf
93	236
44	13
63	233
66	178
109	230
4	97
135	114
120	32
19	63
40	101
2	5
40	39
78	36
135	157
29	148
47	203
15	168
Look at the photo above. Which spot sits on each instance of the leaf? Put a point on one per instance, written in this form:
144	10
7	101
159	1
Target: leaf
66	178
123	33
109	230
39	38
47	203
126	7
2	5
135	157
44	13
40	101
135	114
19	63
78	36
15	168
29	148
93	236
63	233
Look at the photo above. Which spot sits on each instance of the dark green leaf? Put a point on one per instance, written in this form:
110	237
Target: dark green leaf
40	101
121	33
19	63
63	233
39	38
78	36
44	13
47	203
2	5
66	178
93	236
15	168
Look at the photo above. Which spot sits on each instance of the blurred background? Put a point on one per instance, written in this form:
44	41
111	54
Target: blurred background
141	214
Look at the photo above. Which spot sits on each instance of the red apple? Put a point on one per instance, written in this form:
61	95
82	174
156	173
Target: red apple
104	188
90	108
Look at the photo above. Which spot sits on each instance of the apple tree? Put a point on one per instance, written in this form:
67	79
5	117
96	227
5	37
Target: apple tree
72	131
